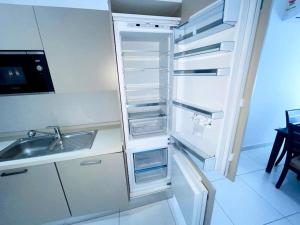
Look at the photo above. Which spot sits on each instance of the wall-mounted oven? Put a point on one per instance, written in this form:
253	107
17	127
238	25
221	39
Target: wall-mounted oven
24	72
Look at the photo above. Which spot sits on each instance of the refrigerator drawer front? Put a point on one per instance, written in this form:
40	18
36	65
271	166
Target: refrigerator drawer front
140	127
150	159
150	175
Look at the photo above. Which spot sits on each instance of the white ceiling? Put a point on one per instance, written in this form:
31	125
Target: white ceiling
147	7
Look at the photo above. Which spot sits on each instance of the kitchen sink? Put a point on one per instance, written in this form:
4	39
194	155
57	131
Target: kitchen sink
47	145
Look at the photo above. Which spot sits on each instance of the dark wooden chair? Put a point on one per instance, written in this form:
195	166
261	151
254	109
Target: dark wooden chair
292	148
291	116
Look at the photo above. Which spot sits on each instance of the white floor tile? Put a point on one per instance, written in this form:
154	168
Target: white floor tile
154	214
213	175
219	217
294	219
243	205
247	165
259	155
106	220
286	203
290	186
280	222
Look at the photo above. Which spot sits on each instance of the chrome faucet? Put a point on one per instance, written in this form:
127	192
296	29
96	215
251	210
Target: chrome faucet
57	133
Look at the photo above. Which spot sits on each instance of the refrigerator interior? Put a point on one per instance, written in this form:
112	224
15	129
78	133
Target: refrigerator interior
150	165
146	60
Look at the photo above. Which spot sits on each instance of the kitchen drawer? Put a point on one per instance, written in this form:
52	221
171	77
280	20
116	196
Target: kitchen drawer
152	158
149	175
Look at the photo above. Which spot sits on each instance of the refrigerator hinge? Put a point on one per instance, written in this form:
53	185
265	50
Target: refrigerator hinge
171	140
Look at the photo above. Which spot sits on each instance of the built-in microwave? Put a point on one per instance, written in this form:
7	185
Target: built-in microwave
24	72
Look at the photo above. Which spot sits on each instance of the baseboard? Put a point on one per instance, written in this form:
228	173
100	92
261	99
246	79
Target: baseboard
261	145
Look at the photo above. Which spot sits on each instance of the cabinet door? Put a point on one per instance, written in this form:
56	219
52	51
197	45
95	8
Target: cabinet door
19	29
94	184
31	196
79	48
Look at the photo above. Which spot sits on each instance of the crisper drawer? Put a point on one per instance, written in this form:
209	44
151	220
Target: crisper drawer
153	174
148	126
148	159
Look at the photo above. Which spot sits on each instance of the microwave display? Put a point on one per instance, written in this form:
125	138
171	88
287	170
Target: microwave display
12	76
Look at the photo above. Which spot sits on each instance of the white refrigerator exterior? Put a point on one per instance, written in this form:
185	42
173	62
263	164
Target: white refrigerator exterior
180	89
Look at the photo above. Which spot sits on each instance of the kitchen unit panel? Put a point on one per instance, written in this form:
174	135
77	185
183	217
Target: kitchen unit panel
95	184
79	48
31	196
189	7
19	30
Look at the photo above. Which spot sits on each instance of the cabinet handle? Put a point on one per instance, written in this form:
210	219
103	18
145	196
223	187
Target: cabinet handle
13	173
90	162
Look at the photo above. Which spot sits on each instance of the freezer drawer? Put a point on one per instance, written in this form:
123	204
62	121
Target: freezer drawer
149	175
148	126
150	159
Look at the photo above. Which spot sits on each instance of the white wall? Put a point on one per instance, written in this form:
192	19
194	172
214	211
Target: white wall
277	86
19	113
84	4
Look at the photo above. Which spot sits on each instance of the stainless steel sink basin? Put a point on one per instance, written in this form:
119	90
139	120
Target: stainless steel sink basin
47	145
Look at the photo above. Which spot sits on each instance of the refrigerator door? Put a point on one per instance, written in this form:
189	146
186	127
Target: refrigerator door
212	53
193	197
200	78
210	65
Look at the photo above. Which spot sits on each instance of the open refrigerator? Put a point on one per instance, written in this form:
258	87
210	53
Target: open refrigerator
180	86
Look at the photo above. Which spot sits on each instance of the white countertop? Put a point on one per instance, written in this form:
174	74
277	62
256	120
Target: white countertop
107	141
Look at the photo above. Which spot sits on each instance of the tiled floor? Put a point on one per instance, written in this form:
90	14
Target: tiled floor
251	200
158	213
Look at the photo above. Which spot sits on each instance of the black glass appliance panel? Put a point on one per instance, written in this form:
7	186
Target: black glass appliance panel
24	72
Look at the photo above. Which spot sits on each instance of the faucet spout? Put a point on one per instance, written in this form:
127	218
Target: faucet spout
57	132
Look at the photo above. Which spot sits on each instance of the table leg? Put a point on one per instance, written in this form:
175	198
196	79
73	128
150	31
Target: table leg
275	151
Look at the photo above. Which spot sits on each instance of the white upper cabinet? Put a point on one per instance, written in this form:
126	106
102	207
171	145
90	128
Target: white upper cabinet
15	22
79	48
189	7
86	4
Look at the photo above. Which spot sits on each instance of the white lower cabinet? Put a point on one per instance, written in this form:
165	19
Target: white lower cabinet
31	196
95	184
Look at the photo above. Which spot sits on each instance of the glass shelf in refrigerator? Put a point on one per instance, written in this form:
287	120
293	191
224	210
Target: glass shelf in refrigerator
150	175
148	126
